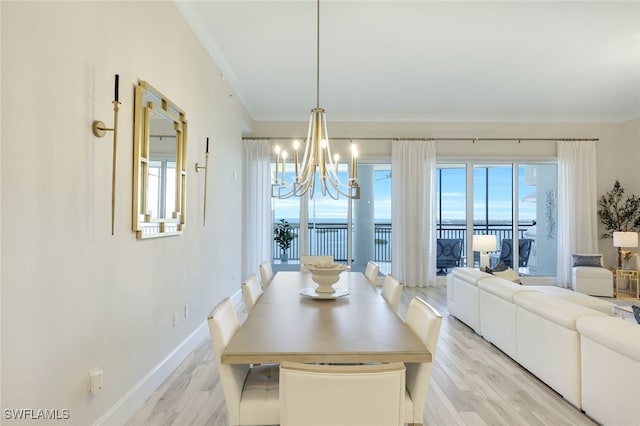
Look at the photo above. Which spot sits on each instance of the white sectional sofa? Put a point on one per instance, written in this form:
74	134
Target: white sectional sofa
538	327
610	350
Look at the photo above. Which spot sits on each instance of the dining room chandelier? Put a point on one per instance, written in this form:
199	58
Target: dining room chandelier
317	161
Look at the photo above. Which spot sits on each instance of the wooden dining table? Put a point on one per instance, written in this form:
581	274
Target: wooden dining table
357	328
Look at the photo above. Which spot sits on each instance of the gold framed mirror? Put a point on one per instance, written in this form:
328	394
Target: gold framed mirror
160	160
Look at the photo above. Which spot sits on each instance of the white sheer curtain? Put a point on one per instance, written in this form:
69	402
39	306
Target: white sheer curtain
257	220
412	212
577	204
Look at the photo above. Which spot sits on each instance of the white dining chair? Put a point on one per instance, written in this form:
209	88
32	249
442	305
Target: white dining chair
251	393
425	322
341	395
371	272
311	260
266	273
251	292
391	291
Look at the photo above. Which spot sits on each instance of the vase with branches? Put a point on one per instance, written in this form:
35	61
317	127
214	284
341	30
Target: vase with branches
619	213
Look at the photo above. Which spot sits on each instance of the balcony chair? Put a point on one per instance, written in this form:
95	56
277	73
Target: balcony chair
266	273
310	260
371	272
341	395
425	322
251	393
524	251
251	292
391	291
449	253
589	276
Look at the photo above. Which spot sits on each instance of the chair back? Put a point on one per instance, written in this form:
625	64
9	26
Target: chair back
223	324
266	273
425	323
311	260
391	291
251	292
341	395
448	253
371	272
524	251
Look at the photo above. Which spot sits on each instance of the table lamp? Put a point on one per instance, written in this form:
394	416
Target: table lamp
484	244
624	239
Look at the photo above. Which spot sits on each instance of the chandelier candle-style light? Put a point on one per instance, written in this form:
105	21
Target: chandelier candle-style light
317	159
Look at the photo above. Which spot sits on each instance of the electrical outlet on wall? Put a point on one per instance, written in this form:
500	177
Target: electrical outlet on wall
175	319
186	310
95	380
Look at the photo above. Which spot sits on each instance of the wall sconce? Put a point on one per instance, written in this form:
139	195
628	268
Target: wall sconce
206	168
484	244
100	130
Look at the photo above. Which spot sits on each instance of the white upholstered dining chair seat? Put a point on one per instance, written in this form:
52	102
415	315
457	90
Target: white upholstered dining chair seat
260	396
251	393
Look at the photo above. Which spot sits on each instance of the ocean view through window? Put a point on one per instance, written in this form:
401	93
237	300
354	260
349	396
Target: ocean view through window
499	193
489	209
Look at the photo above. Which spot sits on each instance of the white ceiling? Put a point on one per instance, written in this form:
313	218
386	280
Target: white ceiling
427	60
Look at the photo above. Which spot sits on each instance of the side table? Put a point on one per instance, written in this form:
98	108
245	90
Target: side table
632	276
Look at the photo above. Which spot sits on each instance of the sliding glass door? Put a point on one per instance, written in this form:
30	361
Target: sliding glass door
514	201
353	231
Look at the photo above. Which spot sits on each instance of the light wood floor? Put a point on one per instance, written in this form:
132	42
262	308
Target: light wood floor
472	383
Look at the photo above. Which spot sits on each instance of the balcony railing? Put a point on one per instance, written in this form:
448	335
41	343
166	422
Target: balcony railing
331	239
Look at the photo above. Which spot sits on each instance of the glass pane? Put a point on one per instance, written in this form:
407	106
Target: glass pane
493	209
372	218
289	210
170	190
153	201
328	222
451	213
538	219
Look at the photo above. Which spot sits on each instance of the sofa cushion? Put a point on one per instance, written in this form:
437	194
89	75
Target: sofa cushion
575	297
470	275
614	333
554	309
502	288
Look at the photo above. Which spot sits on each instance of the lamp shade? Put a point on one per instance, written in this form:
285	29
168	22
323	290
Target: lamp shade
624	239
485	243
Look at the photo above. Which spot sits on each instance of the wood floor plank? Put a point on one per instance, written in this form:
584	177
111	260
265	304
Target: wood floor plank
472	383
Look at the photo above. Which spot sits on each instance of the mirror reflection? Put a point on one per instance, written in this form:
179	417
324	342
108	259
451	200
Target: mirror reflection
160	155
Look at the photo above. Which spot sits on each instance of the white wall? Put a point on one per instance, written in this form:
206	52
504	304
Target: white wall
74	296
618	150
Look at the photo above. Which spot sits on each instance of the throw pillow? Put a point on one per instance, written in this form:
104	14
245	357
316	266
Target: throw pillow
586	260
508	274
636	312
501	266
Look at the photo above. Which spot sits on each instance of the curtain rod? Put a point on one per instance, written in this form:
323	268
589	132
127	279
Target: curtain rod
270	138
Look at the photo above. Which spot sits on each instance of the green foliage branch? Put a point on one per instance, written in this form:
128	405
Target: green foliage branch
617	212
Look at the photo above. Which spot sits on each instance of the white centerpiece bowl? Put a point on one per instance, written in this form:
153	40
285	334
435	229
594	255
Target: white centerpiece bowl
326	275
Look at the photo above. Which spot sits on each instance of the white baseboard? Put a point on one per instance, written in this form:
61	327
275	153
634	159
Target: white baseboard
126	406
